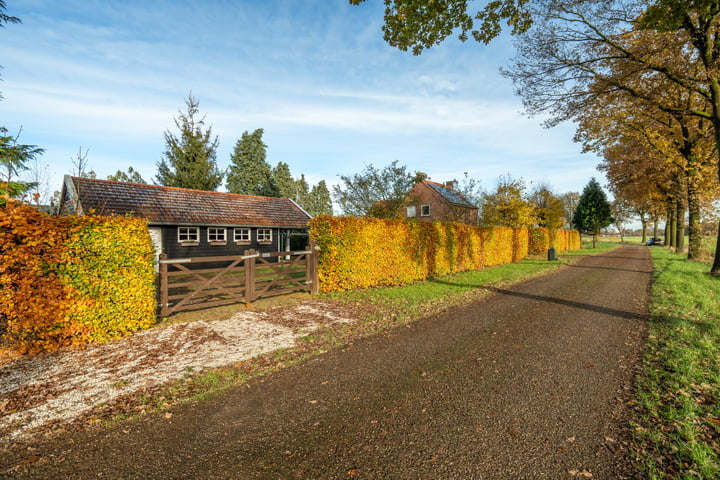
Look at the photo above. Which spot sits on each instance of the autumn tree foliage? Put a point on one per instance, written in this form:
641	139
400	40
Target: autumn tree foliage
567	50
548	208
507	205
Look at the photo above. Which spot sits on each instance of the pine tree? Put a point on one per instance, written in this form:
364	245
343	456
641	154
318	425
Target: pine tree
593	212
286	185
249	173
13	159
318	201
189	161
302	191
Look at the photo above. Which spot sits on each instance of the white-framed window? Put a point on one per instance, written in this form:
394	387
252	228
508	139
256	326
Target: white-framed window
241	235
264	235
424	210
216	235
411	211
189	235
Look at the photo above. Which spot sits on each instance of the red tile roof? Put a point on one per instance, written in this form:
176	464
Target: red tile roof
168	205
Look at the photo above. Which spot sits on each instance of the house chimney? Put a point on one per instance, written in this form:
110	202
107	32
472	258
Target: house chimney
450	184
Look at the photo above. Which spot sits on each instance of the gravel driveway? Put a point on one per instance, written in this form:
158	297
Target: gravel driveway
532	382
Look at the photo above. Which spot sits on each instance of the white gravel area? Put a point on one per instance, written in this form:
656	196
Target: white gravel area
36	390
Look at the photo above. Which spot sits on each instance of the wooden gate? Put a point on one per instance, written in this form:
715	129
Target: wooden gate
190	283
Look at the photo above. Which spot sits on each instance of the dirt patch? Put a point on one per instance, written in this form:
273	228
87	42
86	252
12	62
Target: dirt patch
37	391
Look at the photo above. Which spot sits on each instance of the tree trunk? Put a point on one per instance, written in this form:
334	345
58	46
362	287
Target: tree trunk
715	96
644	222
670	236
694	227
680	226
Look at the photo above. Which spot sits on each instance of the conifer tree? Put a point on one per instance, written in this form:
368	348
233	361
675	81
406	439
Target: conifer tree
593	212
190	160
13	159
249	173
302	191
286	185
319	201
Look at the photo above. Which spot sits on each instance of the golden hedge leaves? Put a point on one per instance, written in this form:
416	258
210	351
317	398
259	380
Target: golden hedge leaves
368	252
70	281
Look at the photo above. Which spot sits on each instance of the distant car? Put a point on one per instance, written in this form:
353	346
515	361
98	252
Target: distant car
654	241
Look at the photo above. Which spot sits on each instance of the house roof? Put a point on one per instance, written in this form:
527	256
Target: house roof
449	194
181	206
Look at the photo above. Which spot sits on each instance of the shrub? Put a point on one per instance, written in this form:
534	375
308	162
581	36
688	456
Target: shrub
367	252
70	281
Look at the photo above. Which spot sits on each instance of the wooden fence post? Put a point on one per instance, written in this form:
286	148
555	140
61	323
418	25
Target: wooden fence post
312	268
163	285
249	277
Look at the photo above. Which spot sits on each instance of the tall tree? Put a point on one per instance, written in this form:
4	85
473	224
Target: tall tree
131	176
622	213
572	43
302	190
581	51
318	202
13	160
569	202
249	172
285	183
189	161
548	208
507	205
593	211
376	192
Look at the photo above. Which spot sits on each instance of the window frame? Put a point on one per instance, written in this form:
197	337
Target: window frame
214	232
264	241
238	233
425	210
413	209
191	234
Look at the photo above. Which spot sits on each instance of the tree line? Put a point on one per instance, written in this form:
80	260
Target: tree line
640	78
189	161
383	193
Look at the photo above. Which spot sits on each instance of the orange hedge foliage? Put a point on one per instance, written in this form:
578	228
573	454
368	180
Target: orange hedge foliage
367	252
70	281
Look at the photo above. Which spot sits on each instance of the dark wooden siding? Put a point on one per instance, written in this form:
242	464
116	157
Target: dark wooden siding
174	249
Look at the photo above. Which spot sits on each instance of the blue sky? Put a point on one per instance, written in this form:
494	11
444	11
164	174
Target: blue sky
331	96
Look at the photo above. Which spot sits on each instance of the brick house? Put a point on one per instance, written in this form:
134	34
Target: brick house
435	202
193	223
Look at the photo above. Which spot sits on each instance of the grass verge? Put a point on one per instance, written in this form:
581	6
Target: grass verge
678	426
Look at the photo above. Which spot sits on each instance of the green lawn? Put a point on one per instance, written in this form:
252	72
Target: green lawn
677	426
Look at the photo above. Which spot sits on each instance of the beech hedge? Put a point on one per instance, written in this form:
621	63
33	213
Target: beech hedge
71	281
368	252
